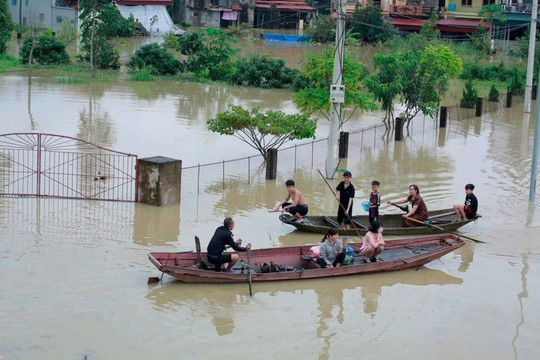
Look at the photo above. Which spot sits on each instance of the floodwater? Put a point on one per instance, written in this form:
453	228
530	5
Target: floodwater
74	273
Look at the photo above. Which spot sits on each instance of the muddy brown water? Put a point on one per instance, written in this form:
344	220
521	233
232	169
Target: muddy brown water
74	273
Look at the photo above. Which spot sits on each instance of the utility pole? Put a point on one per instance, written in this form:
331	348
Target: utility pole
530	59
534	165
337	93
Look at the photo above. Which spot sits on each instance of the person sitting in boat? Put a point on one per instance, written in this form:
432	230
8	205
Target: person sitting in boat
346	196
297	206
332	252
223	236
468	209
373	243
418	211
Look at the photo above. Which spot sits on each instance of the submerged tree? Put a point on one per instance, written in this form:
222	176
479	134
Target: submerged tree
263	130
369	25
315	99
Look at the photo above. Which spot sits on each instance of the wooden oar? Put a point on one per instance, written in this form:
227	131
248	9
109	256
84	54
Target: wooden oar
441	229
402	208
442	215
342	207
249	271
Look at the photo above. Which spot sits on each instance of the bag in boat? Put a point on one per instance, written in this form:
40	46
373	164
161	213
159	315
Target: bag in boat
349	256
315	251
272	267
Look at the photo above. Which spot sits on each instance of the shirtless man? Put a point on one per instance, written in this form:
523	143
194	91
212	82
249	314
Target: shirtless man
298	207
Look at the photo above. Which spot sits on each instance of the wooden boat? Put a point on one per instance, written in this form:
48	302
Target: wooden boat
446	219
298	263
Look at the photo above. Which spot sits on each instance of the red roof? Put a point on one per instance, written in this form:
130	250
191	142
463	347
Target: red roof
145	2
284	5
448	25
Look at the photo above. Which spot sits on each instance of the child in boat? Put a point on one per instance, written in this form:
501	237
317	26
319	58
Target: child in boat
332	252
346	196
468	209
373	243
298	207
374	201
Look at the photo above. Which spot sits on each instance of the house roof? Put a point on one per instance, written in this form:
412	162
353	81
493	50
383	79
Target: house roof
145	2
284	5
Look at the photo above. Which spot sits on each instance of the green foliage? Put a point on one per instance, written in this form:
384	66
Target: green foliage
493	94
323	29
47	51
368	24
105	55
113	23
468	100
263	131
6	26
144	74
492	12
170	41
233	31
481	40
263	72
316	97
210	53
428	30
418	79
67	34
488	72
184	24
154	58
516	81
7	62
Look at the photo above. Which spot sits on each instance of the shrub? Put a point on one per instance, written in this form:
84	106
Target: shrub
264	72
323	29
114	23
67	34
468	100
516	81
47	51
144	74
154	58
170	41
493	94
185	24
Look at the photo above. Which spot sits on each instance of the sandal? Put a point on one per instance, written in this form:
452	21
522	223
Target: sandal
366	260
375	259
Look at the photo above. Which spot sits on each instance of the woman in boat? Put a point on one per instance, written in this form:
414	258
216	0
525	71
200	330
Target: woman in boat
418	211
373	243
332	252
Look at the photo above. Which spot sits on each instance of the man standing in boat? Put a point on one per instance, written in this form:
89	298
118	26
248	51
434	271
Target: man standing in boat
223	237
297	206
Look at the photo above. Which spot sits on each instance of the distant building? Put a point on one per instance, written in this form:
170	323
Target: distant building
47	13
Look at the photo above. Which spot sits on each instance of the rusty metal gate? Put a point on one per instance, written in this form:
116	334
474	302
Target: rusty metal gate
48	165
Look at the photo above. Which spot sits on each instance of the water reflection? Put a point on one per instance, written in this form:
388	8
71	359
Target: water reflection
95	124
156	225
522	295
30	116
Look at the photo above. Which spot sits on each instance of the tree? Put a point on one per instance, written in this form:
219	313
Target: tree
6	26
155	58
263	131
368	24
323	29
316	97
263	72
45	50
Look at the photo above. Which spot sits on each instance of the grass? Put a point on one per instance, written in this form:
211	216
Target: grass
8	62
144	74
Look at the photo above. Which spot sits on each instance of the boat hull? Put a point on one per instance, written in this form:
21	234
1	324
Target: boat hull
399	254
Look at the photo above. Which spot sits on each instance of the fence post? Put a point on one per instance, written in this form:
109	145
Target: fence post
443	116
160	180
534	92
271	163
398	131
509	99
223	174
249	169
343	145
479	106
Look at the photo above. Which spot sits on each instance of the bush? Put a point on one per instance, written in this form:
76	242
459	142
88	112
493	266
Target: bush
170	41
323	29
114	23
263	72
516	81
144	74
155	58
493	94
67	34
470	94
47	51
7	62
185	24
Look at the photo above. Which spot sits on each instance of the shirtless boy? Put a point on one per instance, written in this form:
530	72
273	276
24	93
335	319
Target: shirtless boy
293	202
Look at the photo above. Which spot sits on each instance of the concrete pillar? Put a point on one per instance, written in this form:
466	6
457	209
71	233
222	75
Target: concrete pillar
479	106
399	129
443	116
271	163
509	99
160	180
343	145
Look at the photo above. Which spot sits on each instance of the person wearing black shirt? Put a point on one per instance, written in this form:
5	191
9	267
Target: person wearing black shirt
222	238
468	209
346	196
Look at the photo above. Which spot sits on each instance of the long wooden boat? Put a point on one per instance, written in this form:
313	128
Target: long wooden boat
298	263
446	219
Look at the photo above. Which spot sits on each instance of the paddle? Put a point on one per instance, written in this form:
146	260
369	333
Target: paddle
441	229
403	208
342	207
249	271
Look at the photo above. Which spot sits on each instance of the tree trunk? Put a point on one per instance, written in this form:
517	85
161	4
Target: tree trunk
30	57
93	32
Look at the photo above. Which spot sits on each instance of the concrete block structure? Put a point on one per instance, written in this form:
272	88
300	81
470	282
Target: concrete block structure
160	180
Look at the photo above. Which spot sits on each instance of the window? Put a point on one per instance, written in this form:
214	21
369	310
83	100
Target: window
466	2
488	2
41	18
24	21
59	19
13	2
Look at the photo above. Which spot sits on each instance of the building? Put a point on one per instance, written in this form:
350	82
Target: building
47	13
